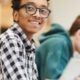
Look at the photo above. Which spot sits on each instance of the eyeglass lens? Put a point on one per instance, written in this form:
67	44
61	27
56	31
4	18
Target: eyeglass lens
31	9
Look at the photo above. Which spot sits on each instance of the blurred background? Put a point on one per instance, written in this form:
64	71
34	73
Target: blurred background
63	12
5	14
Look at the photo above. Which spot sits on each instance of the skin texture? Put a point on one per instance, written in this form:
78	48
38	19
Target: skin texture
76	41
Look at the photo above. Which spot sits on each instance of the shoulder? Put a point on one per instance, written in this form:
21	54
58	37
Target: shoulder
57	40
9	36
54	43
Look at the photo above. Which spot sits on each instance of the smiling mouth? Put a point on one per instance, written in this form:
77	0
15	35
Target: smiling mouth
35	22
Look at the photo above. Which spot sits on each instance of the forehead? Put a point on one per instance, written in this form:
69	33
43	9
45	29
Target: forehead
36	2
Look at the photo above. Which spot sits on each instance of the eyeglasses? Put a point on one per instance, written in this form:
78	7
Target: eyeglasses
31	9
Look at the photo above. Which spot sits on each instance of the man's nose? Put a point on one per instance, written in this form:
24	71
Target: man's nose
37	13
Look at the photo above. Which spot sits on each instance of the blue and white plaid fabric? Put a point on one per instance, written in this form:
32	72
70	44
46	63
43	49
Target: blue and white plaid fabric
18	55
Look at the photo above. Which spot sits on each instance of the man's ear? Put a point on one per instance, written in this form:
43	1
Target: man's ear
15	16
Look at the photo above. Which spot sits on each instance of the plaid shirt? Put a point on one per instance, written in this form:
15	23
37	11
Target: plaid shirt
18	57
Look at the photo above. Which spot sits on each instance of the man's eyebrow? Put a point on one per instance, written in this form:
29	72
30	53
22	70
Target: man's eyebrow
44	6
29	3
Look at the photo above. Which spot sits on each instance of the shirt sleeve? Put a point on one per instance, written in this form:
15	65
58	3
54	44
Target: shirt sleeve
55	59
13	60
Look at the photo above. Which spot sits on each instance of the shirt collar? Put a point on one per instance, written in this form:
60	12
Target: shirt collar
18	30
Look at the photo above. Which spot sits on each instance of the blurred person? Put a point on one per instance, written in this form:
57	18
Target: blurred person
75	35
17	47
56	50
74	63
53	53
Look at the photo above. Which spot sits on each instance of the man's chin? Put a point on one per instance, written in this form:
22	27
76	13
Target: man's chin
33	30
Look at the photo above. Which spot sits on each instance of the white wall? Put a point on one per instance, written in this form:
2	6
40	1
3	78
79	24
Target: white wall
64	11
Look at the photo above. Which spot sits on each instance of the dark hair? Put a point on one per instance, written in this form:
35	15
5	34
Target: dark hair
48	0
75	26
16	4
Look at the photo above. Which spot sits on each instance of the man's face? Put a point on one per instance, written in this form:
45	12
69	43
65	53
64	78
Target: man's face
78	45
77	41
31	23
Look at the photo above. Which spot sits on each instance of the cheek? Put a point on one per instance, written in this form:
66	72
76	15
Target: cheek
44	21
78	45
22	15
23	19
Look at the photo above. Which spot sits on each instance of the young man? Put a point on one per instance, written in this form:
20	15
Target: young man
56	49
16	44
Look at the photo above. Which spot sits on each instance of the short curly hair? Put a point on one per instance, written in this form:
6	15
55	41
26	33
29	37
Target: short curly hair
16	4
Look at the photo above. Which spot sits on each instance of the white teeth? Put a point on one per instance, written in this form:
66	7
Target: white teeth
35	22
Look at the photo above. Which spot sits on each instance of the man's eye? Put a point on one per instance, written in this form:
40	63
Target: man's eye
30	8
44	11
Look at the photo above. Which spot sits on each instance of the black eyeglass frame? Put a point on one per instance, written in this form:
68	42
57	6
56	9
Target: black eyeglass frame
24	6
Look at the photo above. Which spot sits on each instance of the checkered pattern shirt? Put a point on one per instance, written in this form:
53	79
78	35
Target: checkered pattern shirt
18	55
